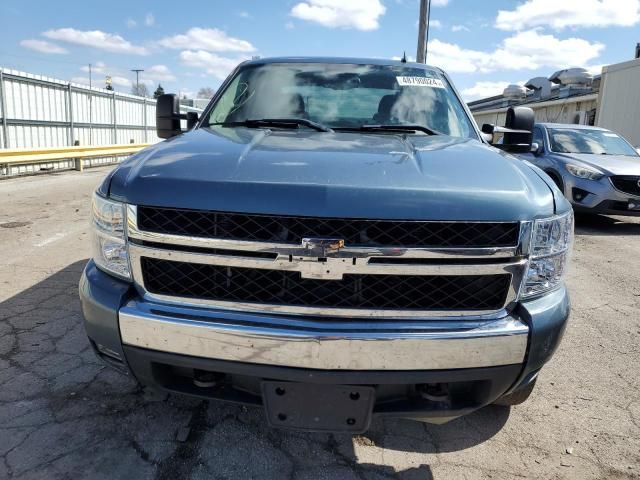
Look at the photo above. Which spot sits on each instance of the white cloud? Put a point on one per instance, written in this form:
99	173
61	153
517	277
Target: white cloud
559	14
453	58
439	3
483	90
531	50
459	28
149	20
358	14
131	23
244	14
96	39
213	64
515	53
289	26
595	69
43	46
158	73
121	81
435	24
209	39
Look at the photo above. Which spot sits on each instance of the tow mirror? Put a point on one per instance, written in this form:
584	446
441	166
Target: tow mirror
518	130
192	119
487	132
488	128
168	116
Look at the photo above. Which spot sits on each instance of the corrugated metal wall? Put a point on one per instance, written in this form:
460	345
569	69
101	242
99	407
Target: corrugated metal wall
37	112
620	100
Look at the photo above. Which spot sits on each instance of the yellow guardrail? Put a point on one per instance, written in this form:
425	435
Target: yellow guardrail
26	156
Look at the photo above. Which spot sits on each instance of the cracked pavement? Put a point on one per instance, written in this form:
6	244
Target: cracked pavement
64	415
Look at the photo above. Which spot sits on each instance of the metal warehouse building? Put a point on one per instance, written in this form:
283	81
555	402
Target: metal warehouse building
610	100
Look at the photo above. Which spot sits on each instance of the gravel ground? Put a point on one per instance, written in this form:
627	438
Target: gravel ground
64	415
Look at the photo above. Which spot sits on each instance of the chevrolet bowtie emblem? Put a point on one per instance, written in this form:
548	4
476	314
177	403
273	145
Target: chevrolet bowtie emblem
322	247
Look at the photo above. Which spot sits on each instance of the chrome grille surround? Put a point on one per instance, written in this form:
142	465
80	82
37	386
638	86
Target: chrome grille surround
294	229
512	260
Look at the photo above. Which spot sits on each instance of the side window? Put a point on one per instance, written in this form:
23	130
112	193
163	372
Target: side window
537	136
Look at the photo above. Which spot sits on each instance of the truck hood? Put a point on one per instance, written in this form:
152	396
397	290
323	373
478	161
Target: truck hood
341	174
610	164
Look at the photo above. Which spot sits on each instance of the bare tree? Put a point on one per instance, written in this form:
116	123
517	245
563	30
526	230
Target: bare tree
140	90
206	92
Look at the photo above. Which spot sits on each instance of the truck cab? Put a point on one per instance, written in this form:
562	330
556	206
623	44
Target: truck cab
332	239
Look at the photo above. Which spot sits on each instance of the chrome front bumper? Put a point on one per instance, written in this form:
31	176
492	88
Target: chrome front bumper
329	344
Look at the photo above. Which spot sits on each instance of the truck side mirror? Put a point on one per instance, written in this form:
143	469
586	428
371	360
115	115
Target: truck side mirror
519	125
518	130
487	132
488	128
168	116
192	119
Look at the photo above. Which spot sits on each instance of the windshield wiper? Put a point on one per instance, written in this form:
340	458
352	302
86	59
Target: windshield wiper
394	128
276	122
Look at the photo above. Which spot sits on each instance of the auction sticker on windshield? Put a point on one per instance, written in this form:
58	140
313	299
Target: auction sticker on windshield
420	82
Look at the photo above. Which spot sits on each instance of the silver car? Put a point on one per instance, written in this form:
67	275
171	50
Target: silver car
596	169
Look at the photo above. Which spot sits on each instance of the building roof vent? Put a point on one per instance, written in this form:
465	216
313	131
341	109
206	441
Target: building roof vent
578	77
514	92
541	87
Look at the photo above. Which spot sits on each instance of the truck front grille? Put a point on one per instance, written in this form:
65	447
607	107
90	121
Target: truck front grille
288	229
627	184
277	287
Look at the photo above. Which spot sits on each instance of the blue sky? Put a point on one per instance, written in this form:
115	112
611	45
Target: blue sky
185	46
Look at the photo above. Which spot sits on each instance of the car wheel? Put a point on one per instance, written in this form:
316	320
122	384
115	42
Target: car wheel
517	397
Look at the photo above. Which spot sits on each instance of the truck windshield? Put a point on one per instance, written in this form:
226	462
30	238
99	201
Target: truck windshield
598	142
343	96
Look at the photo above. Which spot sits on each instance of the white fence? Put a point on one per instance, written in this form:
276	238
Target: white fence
38	112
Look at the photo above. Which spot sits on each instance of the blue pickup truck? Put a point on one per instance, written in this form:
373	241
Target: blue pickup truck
331	239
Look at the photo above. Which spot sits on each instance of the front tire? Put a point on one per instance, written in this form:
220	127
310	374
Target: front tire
517	397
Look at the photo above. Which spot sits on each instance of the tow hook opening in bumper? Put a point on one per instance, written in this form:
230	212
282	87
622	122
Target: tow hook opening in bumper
436	392
204	379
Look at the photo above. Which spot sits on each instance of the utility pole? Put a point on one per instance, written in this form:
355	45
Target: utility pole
423	31
137	70
90	109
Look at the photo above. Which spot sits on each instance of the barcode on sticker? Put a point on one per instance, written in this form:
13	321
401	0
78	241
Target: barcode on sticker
420	82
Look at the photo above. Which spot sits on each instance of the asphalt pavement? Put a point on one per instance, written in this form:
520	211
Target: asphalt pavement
64	415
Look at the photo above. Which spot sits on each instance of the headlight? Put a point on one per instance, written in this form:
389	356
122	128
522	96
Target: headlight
584	172
550	249
109	242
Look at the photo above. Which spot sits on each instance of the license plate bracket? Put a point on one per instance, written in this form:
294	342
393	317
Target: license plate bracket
317	407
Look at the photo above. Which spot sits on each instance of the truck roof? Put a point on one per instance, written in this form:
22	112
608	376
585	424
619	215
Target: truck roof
340	60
